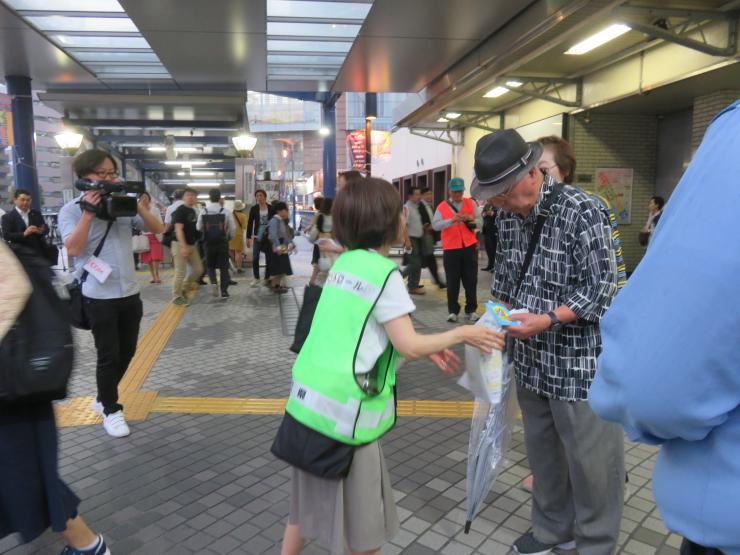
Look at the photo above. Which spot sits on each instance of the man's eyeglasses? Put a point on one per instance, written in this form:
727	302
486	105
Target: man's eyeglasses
106	175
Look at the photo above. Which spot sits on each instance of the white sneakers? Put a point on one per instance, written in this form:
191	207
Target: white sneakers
452	318
472	317
114	424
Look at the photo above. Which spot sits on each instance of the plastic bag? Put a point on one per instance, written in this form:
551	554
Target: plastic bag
483	375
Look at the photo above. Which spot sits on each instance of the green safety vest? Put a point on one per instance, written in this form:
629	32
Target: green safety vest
327	395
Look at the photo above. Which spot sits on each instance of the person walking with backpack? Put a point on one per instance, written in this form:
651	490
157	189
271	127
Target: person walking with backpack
217	226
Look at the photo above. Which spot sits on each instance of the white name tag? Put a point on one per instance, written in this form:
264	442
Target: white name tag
97	268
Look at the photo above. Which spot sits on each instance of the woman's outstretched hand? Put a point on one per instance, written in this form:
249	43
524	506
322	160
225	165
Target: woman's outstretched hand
447	361
483	338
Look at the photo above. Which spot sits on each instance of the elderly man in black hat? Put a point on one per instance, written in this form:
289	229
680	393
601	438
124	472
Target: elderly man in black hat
558	265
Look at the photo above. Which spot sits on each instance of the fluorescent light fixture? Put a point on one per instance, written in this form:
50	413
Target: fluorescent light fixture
82	24
185	163
84	41
514	84
204	184
496	92
307	46
324	131
68	141
67	5
602	37
244	143
183	149
317	9
442	120
452	115
324	30
201	174
180	173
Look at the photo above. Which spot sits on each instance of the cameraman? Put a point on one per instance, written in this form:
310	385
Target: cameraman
111	295
458	220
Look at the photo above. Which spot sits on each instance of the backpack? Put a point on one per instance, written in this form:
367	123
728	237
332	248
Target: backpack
214	228
37	353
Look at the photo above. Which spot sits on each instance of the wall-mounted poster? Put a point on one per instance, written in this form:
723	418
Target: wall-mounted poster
381	146
615	184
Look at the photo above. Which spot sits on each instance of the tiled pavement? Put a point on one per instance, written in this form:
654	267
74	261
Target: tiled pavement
206	483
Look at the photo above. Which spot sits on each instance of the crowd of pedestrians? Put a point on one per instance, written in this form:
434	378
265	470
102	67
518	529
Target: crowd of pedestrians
590	362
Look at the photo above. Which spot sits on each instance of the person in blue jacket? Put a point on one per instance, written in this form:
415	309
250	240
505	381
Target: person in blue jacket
670	367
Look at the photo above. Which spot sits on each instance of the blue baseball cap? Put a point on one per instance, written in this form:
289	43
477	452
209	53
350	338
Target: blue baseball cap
456	184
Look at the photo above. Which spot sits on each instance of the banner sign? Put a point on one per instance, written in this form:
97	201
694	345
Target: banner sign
381	147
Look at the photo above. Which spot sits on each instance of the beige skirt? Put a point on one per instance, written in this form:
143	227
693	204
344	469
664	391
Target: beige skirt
357	513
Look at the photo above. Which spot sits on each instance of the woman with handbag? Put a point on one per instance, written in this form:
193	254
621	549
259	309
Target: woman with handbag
343	395
280	236
236	243
154	256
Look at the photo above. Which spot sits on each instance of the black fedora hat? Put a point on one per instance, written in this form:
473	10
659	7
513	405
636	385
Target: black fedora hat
502	159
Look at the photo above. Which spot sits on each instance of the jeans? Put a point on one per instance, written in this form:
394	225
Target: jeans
461	264
115	327
690	548
181	263
217	258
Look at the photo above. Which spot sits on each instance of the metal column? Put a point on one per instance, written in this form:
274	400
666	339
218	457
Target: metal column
24	151
330	149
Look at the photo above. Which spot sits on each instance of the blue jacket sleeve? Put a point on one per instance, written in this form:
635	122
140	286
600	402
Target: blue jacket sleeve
670	366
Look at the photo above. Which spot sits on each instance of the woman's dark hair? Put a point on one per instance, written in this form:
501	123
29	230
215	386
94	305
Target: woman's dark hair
260	191
326	205
367	214
659	202
565	157
350	175
86	162
317	202
278	206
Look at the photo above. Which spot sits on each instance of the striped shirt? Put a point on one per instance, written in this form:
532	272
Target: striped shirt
573	265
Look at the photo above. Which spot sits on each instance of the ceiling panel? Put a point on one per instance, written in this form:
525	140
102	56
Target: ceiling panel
24	51
404	45
204	44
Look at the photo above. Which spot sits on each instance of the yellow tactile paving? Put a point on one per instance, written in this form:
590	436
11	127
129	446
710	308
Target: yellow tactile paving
150	346
77	411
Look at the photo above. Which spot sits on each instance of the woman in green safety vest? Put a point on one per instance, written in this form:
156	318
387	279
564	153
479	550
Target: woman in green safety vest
344	377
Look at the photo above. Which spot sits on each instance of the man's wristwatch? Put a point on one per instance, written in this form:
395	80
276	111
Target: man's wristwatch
555	323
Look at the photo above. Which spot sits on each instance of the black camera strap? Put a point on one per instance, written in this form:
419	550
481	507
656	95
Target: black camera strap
545	207
99	248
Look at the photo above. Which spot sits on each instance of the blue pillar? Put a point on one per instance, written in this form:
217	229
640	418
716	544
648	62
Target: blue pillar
330	149
24	152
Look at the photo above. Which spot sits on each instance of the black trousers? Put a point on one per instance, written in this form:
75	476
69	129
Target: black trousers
217	258
461	264
115	327
690	548
257	248
490	240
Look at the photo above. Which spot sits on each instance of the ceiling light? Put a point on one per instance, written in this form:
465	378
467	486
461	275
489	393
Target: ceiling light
156	149
496	92
180	173
185	163
324	131
452	115
602	37
244	143
69	141
204	184
514	84
201	174
442	120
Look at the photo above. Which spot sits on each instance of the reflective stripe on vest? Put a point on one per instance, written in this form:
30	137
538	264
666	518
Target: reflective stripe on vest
344	415
457	236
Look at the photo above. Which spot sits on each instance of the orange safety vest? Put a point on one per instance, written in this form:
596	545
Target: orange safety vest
457	236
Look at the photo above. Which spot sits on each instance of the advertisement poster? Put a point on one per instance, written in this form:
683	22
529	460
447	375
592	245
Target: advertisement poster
615	184
381	147
6	121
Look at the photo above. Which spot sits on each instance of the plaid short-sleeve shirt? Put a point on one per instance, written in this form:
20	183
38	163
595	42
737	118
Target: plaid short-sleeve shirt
574	265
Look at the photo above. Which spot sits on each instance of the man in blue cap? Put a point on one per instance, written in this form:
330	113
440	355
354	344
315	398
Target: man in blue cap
458	220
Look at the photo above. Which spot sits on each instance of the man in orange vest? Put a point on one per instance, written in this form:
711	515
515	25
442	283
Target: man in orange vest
458	220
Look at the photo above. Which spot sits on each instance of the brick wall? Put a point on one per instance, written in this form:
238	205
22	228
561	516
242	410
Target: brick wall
619	141
705	108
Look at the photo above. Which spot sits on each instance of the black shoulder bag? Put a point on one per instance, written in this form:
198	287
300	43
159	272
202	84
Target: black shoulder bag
552	197
470	225
76	309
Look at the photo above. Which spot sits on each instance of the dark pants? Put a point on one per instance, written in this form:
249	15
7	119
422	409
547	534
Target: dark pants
490	240
428	260
461	264
115	327
257	248
217	258
690	548
413	270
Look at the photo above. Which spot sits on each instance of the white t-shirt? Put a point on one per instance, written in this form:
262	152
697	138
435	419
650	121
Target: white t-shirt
394	301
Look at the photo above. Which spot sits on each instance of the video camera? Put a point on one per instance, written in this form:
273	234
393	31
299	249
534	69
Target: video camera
115	201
